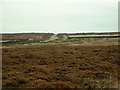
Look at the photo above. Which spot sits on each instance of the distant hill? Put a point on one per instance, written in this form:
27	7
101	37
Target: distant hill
31	36
46	36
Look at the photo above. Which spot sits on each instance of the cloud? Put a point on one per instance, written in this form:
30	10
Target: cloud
98	1
80	16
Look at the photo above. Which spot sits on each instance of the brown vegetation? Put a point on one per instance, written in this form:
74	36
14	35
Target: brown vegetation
58	66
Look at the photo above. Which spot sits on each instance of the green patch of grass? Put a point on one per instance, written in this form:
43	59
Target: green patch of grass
76	79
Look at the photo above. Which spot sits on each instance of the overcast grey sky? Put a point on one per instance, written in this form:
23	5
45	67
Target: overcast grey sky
59	16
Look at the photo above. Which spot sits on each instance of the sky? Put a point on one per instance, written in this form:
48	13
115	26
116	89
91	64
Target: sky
58	16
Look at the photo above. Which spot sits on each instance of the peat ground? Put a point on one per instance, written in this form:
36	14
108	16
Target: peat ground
61	66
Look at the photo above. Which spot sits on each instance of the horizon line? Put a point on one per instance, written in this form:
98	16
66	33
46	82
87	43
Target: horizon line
54	32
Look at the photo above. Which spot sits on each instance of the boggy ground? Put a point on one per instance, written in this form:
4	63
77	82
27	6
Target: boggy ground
60	66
